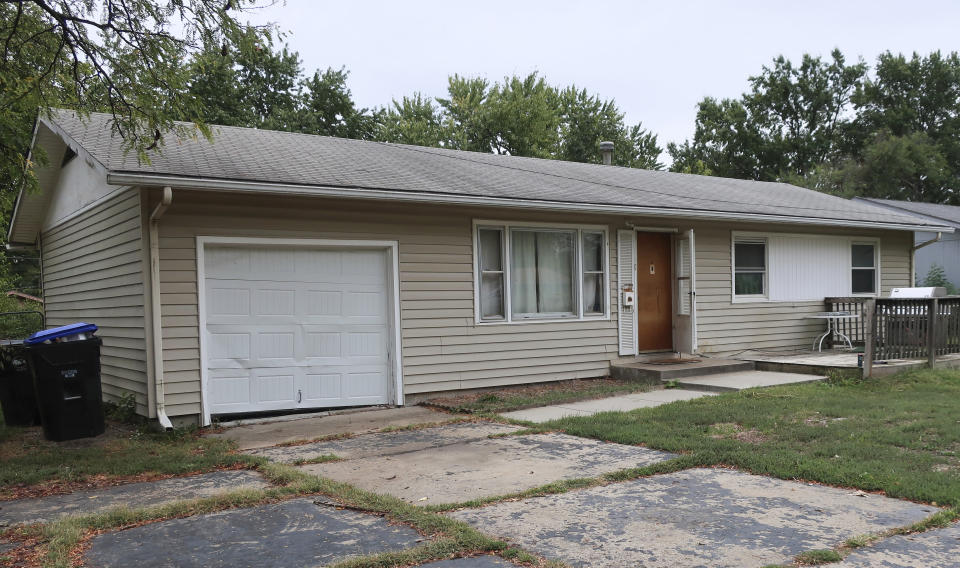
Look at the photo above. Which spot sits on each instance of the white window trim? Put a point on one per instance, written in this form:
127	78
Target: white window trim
505	262
751	239
876	267
850	241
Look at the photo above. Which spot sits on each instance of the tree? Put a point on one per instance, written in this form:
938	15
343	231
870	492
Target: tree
122	56
791	121
326	107
726	142
413	120
252	85
936	276
522	117
466	114
586	120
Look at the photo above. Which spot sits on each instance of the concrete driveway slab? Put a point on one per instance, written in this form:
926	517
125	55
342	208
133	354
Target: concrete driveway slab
131	495
622	403
940	547
485	468
293	533
250	436
698	517
387	443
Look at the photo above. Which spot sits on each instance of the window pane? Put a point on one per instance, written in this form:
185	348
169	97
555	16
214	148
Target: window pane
593	294
863	256
864	281
491	296
541	272
592	252
490	249
750	255
748	283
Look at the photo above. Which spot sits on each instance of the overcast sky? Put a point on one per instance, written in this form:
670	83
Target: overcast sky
657	59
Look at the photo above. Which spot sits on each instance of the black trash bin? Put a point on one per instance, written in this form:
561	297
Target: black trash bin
17	397
66	378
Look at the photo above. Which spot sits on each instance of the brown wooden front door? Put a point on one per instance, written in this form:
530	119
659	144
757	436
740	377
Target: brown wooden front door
654	292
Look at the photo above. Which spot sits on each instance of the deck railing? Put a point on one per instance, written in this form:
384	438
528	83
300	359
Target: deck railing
852	328
901	328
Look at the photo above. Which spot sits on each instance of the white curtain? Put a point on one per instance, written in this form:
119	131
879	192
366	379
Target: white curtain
523	272
542	272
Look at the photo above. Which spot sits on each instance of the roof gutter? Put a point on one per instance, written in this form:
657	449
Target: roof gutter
427	197
155	307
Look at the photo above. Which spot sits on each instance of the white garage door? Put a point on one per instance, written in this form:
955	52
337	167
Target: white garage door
295	327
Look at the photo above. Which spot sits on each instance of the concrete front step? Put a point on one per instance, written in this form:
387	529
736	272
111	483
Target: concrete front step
658	373
735	381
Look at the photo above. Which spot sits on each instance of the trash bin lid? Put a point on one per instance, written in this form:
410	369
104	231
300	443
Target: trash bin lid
57	332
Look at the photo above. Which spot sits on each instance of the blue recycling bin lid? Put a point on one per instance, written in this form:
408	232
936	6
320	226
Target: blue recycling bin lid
58	332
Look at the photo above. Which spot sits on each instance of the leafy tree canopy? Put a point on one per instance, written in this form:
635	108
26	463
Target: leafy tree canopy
839	128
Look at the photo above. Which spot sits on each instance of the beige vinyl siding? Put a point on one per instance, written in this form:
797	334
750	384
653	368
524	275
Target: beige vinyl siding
93	271
726	328
442	347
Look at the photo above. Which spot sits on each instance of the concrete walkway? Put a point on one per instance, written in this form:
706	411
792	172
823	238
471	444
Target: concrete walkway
620	403
689	388
727	382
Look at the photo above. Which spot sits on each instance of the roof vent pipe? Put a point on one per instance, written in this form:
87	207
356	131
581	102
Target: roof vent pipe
606	150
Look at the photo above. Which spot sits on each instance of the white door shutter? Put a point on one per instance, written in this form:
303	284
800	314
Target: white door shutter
626	273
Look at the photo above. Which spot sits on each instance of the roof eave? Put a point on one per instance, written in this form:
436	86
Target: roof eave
133	178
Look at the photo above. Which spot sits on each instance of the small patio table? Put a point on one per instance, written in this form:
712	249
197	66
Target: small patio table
832	318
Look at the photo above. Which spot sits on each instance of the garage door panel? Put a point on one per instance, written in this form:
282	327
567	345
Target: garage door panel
273	387
230	391
300	327
228	301
275	301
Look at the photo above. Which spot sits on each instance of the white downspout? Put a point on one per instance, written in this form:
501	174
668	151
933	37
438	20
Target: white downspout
157	334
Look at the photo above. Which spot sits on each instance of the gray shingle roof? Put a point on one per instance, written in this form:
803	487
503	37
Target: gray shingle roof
251	155
947	213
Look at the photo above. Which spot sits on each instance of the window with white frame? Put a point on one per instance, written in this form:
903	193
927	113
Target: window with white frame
786	267
863	268
531	272
750	267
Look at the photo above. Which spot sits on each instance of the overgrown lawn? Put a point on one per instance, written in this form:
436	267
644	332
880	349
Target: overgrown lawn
26	459
899	435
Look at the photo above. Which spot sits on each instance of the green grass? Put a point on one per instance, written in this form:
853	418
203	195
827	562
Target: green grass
27	459
817	557
899	435
516	399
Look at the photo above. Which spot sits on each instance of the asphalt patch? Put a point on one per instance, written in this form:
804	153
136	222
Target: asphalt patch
130	495
299	532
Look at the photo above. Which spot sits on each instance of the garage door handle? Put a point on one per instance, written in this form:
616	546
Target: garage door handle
299	396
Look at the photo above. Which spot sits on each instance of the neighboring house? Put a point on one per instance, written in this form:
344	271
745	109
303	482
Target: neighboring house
946	252
272	271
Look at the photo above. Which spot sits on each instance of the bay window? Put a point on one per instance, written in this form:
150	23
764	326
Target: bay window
534	273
